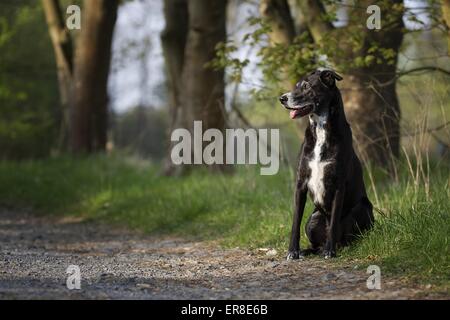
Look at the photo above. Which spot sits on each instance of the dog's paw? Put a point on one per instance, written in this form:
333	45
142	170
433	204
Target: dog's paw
294	255
328	254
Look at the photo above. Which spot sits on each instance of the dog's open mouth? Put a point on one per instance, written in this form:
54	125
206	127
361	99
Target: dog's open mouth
301	111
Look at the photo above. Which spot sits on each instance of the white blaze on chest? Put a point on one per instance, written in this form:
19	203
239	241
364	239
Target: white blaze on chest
317	166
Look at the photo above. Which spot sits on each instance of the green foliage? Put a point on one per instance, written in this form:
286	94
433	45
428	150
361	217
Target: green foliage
346	48
296	59
28	88
277	60
245	209
223	58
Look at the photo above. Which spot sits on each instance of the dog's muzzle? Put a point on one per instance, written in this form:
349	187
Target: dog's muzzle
297	111
302	110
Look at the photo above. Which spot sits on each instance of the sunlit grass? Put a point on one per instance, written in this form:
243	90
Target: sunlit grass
243	209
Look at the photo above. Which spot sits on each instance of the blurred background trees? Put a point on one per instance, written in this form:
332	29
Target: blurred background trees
83	74
63	50
193	31
29	112
222	62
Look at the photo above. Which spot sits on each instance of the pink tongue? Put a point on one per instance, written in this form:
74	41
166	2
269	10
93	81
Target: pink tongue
293	114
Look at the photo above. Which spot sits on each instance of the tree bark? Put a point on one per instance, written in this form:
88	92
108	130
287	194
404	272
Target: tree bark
446	16
374	115
173	41
373	108
277	13
63	49
203	88
92	64
298	17
313	11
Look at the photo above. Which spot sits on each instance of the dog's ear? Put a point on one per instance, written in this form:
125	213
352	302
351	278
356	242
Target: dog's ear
329	77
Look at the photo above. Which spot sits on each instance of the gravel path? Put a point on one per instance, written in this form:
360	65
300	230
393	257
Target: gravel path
118	264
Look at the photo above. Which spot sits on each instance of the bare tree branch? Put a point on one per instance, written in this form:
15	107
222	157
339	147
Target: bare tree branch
410	71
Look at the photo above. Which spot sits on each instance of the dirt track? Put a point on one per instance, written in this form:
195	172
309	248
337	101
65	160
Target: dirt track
117	264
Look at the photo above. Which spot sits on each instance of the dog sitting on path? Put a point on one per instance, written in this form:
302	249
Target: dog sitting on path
328	168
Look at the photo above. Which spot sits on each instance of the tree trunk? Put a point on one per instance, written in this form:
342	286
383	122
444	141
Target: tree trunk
277	13
313	12
92	63
173	41
369	93
203	89
373	112
63	49
446	16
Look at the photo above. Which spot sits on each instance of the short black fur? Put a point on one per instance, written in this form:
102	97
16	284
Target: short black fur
327	163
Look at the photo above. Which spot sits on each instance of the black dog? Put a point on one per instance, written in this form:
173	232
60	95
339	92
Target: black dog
329	169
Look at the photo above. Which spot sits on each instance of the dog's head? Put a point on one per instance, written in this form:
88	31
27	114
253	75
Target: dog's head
313	94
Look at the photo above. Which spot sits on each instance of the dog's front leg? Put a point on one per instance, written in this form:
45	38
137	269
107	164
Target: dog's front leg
333	230
294	246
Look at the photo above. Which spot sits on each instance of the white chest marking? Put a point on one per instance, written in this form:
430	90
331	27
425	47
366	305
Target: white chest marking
317	166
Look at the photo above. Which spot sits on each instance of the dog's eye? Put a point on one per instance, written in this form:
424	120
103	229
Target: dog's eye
305	85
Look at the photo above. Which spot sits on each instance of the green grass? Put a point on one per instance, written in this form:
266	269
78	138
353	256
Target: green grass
411	237
243	209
